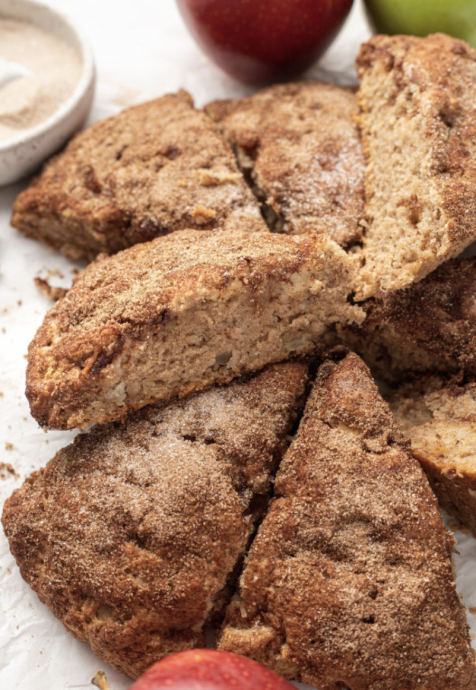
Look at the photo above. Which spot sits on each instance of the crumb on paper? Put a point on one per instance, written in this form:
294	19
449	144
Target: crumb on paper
51	272
472	609
8	446
7	470
20	302
75	271
49	291
100	681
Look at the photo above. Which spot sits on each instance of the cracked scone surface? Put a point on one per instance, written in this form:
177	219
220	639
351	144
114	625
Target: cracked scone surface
349	582
427	327
132	534
417	113
153	169
300	148
439	417
178	314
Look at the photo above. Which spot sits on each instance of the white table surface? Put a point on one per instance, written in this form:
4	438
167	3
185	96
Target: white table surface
142	51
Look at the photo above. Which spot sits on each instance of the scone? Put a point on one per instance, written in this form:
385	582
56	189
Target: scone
133	534
348	583
428	327
440	419
417	113
153	169
178	314
299	146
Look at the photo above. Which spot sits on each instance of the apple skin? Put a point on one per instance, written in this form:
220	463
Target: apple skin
261	41
207	669
422	17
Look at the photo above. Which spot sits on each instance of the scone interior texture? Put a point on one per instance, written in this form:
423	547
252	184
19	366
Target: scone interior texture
417	114
155	168
440	419
427	327
181	313
300	148
133	534
348	583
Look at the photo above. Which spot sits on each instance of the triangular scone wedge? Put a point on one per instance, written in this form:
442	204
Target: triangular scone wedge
153	169
349	583
427	327
439	417
417	113
178	314
133	534
300	147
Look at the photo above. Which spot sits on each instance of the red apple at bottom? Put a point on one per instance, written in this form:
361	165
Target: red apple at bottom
207	669
261	41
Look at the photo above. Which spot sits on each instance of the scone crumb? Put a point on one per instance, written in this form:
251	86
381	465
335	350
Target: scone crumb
203	215
6	469
49	291
211	179
100	681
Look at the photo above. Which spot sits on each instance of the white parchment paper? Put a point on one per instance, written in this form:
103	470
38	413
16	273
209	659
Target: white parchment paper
142	51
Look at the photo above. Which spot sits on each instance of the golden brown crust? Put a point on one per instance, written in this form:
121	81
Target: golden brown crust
153	169
417	113
178	314
440	419
430	326
300	147
132	533
349	582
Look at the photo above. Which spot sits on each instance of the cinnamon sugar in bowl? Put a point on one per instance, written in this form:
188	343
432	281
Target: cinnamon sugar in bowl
49	100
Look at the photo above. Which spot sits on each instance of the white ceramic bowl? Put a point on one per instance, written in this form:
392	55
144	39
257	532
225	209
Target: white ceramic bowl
22	155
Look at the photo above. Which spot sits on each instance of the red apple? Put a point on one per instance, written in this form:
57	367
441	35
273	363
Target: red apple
206	669
264	40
